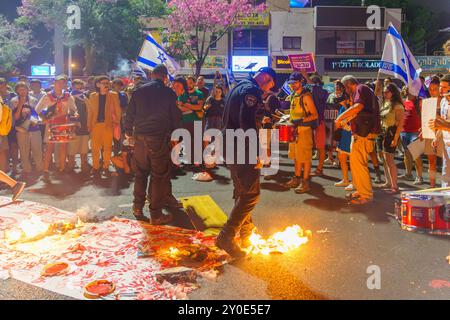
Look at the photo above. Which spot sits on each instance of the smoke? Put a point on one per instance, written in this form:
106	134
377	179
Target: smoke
91	213
123	69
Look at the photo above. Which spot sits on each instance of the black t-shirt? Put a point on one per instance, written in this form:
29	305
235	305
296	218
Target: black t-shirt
216	108
101	108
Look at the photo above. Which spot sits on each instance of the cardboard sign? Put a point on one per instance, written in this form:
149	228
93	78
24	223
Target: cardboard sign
429	107
303	62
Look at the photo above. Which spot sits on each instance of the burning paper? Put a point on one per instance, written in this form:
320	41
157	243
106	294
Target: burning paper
33	229
281	242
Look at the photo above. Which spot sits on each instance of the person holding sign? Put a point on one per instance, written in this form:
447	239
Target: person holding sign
443	123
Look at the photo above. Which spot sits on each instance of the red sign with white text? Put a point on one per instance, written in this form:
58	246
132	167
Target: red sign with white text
303	62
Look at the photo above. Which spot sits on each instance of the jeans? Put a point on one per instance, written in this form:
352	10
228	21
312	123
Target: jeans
152	158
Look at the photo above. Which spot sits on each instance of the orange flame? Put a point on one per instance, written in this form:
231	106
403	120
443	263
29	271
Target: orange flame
289	239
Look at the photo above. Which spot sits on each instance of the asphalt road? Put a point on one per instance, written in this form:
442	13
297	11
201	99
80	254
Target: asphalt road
332	265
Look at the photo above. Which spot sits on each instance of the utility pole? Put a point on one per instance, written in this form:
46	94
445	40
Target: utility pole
58	40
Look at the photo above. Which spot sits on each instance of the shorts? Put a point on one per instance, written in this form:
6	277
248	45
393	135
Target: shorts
4	143
384	140
79	146
408	138
320	136
344	144
301	150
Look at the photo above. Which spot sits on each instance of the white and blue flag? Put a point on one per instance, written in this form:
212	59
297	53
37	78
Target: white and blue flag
398	61
153	54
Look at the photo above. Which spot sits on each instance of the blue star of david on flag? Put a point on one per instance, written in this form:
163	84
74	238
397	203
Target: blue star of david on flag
152	54
162	57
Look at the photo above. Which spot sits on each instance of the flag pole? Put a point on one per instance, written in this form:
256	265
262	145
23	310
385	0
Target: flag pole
377	82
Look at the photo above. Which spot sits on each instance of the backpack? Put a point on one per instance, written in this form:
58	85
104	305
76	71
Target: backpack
320	97
6	121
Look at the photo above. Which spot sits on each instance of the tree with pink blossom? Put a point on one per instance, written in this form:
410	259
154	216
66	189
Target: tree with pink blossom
199	24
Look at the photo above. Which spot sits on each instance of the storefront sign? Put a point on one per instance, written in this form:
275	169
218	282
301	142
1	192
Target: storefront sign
427	63
434	63
303	62
281	62
336	64
253	19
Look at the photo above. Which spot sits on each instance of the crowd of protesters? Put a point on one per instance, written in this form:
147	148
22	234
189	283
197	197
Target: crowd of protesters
365	122
355	124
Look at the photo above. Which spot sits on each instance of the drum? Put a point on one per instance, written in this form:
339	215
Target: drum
286	132
425	212
61	133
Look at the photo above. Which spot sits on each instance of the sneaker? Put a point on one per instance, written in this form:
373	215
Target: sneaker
202	176
336	164
17	190
342	184
349	187
106	172
96	173
303	188
317	173
293	183
378	180
418	181
328	162
407	177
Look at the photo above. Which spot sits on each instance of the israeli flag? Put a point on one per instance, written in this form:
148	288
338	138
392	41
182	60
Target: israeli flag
137	71
153	54
398	61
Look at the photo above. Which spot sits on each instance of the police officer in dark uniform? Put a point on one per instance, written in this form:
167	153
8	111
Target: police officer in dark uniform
151	117
243	106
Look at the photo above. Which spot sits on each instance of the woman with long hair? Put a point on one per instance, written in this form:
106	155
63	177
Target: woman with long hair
392	117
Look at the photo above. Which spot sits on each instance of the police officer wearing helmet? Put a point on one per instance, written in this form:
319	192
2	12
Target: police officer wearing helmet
243	105
151	117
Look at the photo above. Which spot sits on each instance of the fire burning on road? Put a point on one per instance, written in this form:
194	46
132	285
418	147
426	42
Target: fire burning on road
281	242
34	228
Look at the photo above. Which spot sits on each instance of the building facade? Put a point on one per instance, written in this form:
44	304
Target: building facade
338	37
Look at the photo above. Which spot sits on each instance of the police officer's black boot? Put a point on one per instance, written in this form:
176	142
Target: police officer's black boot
245	233
158	218
226	241
139	214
